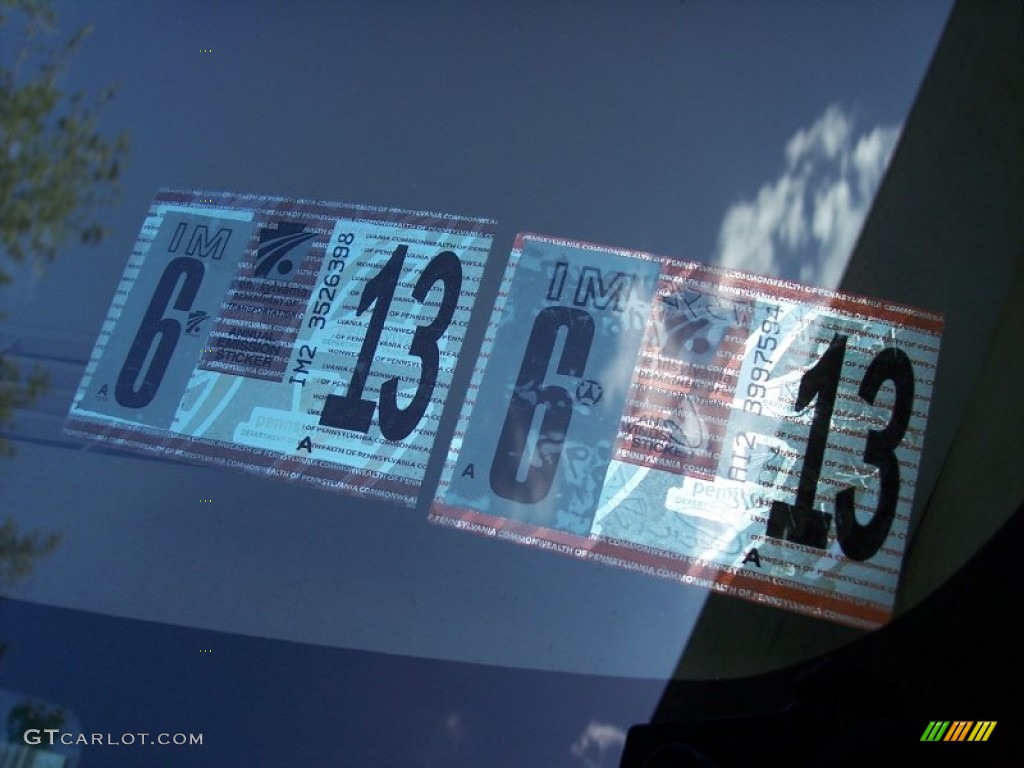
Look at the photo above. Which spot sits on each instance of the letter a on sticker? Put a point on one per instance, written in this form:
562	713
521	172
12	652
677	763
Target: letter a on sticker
468	471
753	555
305	443
103	391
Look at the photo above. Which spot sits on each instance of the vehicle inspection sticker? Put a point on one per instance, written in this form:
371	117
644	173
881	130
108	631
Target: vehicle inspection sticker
746	434
306	340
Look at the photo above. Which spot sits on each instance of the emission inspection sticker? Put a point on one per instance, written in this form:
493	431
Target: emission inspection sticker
746	434
306	340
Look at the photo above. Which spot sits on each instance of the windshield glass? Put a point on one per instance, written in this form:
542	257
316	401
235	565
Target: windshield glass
166	597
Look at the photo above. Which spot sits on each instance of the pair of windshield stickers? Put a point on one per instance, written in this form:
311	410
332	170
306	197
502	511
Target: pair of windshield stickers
746	434
305	340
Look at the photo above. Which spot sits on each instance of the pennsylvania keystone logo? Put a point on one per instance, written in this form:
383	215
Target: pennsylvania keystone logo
276	245
194	322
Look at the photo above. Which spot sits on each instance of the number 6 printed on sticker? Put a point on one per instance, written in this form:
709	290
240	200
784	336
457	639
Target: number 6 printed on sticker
530	394
128	391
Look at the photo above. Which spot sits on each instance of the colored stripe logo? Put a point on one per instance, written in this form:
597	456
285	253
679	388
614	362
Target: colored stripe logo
958	730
